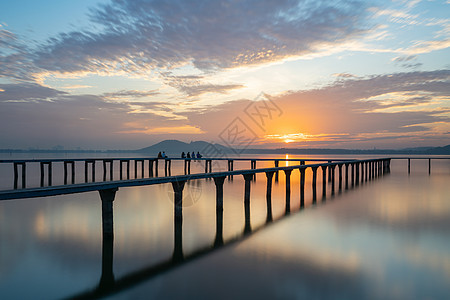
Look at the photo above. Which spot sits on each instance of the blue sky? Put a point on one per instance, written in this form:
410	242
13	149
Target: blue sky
126	74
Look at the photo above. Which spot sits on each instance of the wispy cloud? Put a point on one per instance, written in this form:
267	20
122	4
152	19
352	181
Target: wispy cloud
139	36
130	94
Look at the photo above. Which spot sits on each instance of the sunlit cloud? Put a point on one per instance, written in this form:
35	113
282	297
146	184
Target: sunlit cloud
130	94
76	86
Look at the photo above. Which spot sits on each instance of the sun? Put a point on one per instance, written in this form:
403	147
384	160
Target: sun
287	141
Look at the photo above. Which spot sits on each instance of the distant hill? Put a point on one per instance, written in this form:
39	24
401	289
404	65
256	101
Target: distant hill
175	147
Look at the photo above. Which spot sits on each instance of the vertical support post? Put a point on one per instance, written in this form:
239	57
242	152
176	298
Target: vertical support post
135	168
230	168
269	176
329	174
218	181
357	173
178	220
66	163
362	172
429	166
409	165
150	167
136	161
107	197
253	166
353	174
302	187
332	167
340	176
86	167
104	169
277	163
185	166
346	176
247	227
156	167
167	167
49	172
314	184
110	162
16	174
324	182
288	191
367	169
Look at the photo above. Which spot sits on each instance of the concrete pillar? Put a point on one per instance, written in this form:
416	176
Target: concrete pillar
346	176
324	182
107	198
72	164
150	167
136	161
167	167
340	176
16	174
329	174
277	163
362	171
302	187
127	163
178	187
230	168
156	167
219	181
253	166
331	171
357	173
353	174
247	227
105	162
314	184
269	176
185	167
429	166
367	169
49	172
288	191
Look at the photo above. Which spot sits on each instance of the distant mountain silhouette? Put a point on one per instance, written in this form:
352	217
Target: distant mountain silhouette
175	147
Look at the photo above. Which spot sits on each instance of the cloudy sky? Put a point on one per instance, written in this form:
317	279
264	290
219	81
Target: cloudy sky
124	74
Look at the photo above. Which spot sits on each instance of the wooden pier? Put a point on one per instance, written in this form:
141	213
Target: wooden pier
351	174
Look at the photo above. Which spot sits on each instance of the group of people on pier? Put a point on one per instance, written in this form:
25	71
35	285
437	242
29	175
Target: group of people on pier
183	155
189	155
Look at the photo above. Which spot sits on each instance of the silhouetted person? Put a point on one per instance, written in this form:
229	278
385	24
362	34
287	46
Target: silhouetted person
188	155
199	155
160	155
164	154
183	155
193	154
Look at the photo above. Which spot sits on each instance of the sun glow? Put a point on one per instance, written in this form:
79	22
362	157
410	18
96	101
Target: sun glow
287	138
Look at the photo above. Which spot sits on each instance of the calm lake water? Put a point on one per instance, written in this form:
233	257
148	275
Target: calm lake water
385	239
